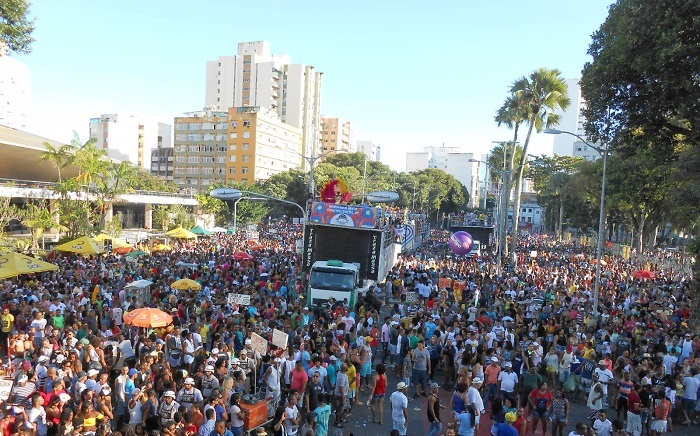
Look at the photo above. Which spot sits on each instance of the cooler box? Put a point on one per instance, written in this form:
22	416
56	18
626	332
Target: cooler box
254	415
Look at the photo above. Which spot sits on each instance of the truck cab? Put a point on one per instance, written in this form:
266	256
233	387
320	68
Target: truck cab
335	279
476	250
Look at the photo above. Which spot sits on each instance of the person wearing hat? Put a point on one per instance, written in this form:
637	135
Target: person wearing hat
508	427
271	379
606	378
434	410
209	382
189	395
507	381
474	397
168	407
399	408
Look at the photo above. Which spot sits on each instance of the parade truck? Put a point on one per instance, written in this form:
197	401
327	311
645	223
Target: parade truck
346	251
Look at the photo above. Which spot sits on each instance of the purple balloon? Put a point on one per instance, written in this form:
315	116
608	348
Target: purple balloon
461	243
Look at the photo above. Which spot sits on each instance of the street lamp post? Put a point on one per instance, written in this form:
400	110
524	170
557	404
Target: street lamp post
235	211
364	181
601	220
413	202
232	194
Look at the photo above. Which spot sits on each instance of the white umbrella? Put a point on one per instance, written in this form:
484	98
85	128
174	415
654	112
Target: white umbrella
139	284
218	230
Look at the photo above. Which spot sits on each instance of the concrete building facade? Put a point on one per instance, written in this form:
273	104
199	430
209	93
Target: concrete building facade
200	150
337	135
257	78
15	91
370	149
453	161
573	120
129	137
260	145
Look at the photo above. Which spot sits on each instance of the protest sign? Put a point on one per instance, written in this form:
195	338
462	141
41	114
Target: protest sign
258	344
279	338
238	299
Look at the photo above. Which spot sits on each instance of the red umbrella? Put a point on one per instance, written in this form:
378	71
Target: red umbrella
643	274
242	255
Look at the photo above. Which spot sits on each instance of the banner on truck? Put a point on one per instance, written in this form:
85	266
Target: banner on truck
343	215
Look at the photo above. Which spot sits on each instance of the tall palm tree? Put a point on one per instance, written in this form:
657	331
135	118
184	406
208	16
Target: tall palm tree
513	113
60	156
542	93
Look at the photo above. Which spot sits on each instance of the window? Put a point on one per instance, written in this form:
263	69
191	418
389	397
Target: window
246	123
207	126
192	159
529	210
180	126
246	134
180	159
246	158
244	170
193	148
221	126
208	159
221	159
191	170
233	147
233	135
180	148
193	136
537	212
221	148
246	146
180	137
207	170
234	124
232	158
179	170
194	126
232	171
529	219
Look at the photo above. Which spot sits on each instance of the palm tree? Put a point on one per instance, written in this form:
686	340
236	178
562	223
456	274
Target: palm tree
542	93
60	156
513	113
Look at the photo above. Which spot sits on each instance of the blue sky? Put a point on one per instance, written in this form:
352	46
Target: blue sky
406	73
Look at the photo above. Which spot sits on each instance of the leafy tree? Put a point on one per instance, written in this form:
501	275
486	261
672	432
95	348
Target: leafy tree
540	94
496	157
38	219
15	25
60	156
8	212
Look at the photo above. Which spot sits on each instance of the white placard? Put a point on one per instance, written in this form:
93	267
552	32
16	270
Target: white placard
533	254
5	389
279	339
258	344
411	297
238	299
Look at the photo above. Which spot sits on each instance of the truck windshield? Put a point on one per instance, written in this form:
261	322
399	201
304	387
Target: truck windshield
332	279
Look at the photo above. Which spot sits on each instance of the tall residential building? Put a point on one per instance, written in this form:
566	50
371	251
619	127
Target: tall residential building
451	160
162	156
573	120
369	149
336	135
15	91
257	78
128	137
201	149
260	145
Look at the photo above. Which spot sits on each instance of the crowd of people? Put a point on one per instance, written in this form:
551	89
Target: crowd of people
512	350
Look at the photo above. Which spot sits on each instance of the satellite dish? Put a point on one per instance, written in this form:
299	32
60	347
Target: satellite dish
382	197
226	194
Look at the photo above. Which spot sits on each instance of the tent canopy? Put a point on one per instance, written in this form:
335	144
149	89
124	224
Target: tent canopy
82	245
201	231
138	284
180	233
219	230
14	264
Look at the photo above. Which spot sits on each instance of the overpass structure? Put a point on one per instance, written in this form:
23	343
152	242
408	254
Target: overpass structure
134	210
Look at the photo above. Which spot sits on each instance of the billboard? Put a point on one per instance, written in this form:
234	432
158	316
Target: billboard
343	215
347	244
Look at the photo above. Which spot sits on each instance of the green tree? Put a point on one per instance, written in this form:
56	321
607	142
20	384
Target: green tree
496	157
541	93
38	219
15	25
60	156
8	212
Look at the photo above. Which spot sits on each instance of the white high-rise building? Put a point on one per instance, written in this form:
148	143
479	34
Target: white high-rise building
451	160
15	91
257	78
572	120
128	137
369	149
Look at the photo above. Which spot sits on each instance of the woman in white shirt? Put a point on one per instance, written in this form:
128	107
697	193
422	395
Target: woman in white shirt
236	415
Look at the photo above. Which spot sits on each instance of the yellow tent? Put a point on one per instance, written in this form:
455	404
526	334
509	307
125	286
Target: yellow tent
186	284
14	264
116	242
180	233
160	247
82	245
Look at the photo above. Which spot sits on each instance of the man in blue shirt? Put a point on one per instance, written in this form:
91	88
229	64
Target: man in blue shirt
220	429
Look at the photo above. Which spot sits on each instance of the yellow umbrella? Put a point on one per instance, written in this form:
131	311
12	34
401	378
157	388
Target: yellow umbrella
186	284
180	233
14	264
116	242
82	245
160	247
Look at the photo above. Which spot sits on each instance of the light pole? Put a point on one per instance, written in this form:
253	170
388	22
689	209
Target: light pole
601	220
232	194
413	202
312	164
364	181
